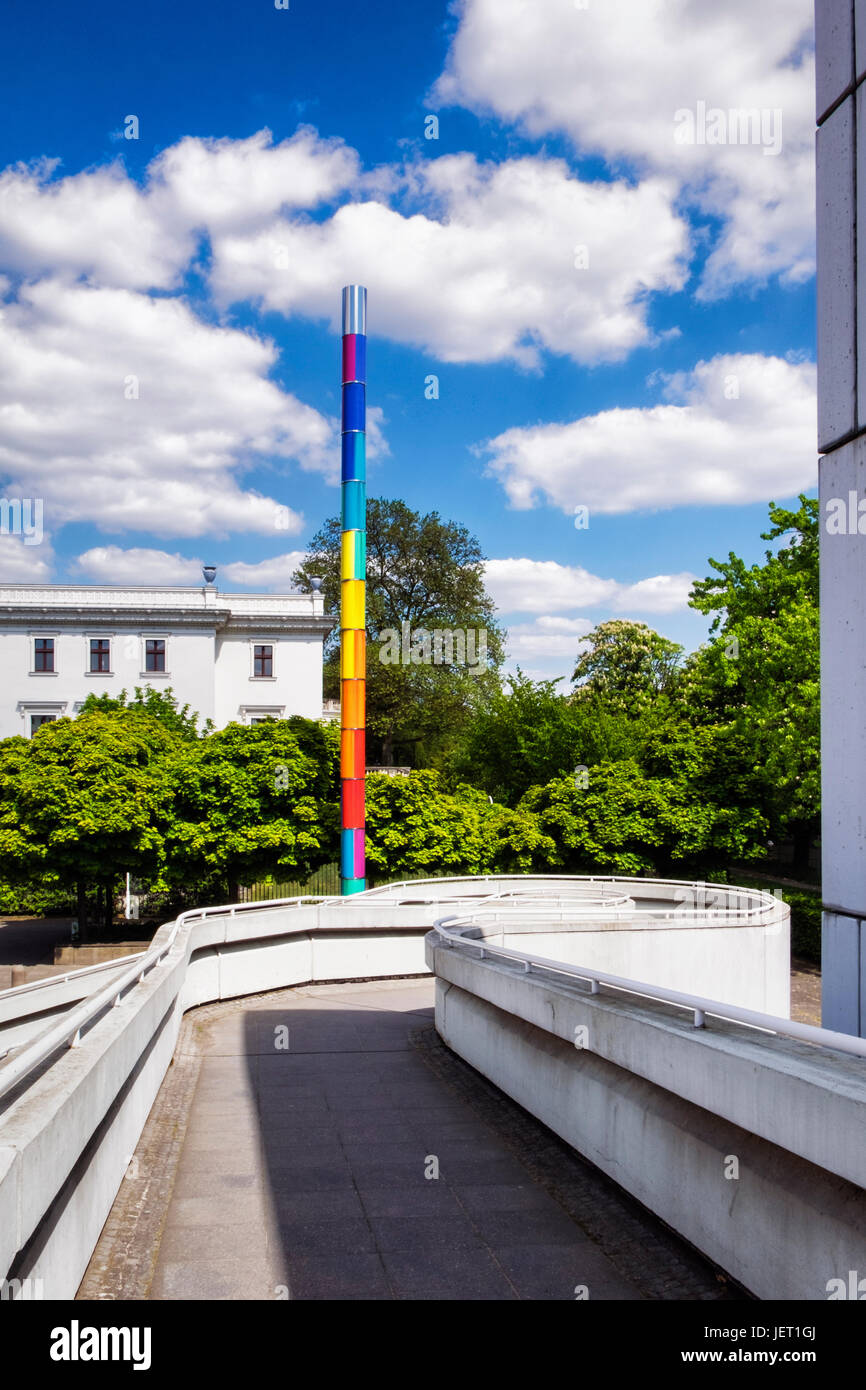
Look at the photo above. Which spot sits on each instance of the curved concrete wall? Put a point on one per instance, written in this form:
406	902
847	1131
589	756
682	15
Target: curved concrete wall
747	1144
747	966
66	1135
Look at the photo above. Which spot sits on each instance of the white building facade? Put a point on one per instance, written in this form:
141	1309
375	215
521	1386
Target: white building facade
231	657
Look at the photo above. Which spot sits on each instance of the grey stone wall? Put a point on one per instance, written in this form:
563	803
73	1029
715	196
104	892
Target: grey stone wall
841	144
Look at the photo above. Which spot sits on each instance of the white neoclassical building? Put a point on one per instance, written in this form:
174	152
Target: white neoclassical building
230	657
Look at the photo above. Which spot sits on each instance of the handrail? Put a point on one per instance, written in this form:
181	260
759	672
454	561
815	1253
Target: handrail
67	1031
62	979
700	1007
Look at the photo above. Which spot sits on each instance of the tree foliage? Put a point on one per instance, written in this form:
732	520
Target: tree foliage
249	801
526	734
759	676
624	821
428	574
160	705
626	665
417	829
86	800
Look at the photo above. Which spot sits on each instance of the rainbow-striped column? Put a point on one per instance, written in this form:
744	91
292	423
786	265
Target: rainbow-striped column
353	572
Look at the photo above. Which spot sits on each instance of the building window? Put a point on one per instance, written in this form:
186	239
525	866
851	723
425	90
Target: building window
37	720
154	654
100	654
43	654
260	714
263	659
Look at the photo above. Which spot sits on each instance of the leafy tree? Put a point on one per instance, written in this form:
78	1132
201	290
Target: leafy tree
624	822
626	666
527	734
85	800
425	573
759	676
253	801
416	829
154	704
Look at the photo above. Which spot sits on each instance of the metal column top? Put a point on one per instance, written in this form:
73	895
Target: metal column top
354	309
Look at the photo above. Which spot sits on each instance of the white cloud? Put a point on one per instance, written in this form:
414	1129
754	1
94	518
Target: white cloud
662	593
111	564
94	223
548	645
492	275
224	185
168	461
494	261
542	586
612	77
742	430
100	223
542	650
24	564
275	573
522	585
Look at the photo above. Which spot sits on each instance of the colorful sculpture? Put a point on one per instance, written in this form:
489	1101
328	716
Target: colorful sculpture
352	591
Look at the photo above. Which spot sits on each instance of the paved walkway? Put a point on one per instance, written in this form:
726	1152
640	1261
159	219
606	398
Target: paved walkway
292	1153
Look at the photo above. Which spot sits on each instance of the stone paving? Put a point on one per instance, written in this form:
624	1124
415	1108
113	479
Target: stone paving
288	1155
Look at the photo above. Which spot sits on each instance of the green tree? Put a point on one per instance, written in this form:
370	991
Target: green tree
622	821
527	734
417	829
153	704
626	666
253	801
86	800
426	574
759	676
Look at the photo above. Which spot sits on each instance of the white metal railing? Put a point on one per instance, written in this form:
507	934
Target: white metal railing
452	931
63	978
67	1031
504	889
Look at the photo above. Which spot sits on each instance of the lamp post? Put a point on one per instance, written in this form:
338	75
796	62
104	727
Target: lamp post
353	570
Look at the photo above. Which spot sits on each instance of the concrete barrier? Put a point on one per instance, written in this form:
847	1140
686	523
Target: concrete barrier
68	1129
749	1145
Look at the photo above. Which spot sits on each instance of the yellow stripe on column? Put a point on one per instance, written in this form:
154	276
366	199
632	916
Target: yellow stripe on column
352	604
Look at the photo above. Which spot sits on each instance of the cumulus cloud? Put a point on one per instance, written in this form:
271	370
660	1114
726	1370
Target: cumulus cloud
275	573
546	646
612	78
546	643
112	564
739	428
24	564
521	585
225	185
103	225
132	413
520	256
97	223
494	262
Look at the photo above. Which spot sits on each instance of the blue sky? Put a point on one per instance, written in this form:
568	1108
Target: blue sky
616	320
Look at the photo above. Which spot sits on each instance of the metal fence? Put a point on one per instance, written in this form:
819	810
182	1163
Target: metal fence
325	881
